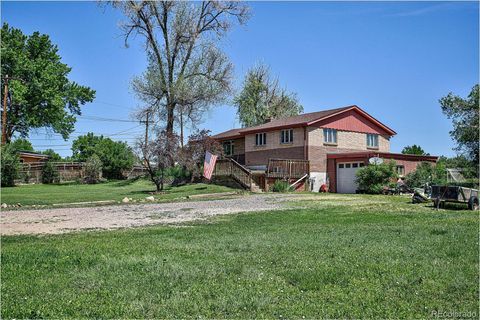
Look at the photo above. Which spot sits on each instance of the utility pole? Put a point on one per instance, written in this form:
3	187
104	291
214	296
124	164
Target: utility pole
181	128
146	129
4	116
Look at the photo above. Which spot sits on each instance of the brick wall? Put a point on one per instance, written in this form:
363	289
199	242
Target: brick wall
260	157
348	140
273	141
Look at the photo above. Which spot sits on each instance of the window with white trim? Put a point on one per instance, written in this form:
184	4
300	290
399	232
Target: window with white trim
372	140
286	136
401	170
260	139
330	136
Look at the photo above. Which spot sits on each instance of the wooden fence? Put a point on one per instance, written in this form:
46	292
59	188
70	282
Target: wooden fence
68	171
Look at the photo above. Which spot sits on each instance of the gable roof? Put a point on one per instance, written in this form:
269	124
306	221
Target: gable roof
301	120
233	134
295	121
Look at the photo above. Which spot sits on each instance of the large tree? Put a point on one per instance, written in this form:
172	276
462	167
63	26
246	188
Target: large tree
40	93
187	71
464	115
262	98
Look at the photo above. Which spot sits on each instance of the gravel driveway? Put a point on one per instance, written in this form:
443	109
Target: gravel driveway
61	220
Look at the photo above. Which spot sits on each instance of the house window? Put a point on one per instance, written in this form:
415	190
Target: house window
228	148
401	170
330	136
261	139
286	136
372	140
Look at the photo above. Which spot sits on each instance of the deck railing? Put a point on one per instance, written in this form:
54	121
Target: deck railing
230	167
287	168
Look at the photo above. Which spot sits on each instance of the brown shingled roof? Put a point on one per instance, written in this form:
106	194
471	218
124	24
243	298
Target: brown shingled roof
296	121
300	120
233	133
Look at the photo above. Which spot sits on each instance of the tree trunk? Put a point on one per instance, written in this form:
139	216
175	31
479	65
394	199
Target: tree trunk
161	181
170	118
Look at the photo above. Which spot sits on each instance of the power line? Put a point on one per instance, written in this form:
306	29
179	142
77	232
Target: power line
113	104
95	118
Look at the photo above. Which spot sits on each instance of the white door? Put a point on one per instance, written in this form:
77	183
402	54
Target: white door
346	177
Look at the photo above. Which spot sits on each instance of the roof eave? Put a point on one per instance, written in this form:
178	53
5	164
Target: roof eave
284	126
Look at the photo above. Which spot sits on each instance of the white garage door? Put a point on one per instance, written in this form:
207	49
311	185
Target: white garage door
346	176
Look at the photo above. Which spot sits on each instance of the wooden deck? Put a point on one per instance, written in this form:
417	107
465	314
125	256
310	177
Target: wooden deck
287	168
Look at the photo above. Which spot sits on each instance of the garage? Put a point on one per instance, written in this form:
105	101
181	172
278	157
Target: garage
346	176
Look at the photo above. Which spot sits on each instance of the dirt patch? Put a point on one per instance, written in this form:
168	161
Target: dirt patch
62	220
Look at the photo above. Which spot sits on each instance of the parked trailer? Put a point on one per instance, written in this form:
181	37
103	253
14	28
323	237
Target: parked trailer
442	194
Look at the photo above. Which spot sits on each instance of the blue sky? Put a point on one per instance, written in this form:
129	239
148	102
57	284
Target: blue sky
395	60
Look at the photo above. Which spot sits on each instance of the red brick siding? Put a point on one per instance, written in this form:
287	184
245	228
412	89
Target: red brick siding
410	165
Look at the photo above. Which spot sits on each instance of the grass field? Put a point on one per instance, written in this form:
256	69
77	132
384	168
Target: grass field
43	194
338	256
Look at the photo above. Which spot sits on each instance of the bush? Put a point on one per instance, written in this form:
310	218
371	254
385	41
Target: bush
49	173
423	174
93	169
10	166
178	174
373	178
281	186
26	177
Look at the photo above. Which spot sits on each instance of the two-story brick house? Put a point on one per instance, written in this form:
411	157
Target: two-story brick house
335	142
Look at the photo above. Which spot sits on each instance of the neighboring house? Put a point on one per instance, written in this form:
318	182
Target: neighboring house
30	156
336	143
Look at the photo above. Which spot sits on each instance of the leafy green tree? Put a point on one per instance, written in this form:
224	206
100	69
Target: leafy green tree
10	165
53	155
115	156
464	114
262	98
414	149
50	173
41	95
85	146
21	144
373	178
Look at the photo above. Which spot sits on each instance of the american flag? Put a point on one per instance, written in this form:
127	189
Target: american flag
209	165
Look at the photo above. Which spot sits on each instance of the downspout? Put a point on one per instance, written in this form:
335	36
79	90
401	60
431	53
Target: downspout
305	143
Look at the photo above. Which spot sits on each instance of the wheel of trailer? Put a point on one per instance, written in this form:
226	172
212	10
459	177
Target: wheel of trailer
473	203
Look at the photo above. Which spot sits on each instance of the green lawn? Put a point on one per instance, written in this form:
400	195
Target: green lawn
338	257
42	194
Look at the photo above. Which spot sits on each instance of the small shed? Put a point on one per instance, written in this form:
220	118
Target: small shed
30	157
